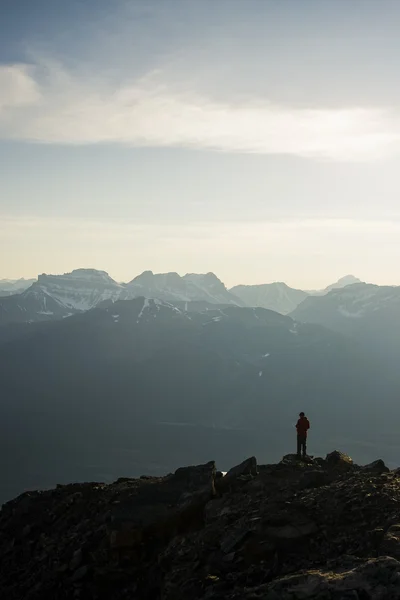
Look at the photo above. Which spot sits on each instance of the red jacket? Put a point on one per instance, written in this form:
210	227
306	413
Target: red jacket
303	425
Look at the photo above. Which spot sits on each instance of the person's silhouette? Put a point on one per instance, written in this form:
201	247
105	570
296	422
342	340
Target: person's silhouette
302	426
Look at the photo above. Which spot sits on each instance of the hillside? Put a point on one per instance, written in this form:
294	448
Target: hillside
322	530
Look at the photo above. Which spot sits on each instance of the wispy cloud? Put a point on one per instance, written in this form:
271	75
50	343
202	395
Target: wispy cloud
258	232
46	103
18	87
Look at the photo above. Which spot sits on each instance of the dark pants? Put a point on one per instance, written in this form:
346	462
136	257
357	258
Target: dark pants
301	445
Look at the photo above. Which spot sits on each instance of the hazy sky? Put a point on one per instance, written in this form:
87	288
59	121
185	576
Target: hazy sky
259	139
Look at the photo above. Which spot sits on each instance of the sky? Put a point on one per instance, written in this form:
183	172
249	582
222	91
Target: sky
257	139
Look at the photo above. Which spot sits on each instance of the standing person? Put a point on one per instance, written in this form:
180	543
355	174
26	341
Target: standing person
302	426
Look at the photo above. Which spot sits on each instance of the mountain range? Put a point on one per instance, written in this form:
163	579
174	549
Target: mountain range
8	287
99	376
58	296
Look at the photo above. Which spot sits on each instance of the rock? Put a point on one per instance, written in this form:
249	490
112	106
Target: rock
258	549
76	560
80	574
339	460
247	467
375	579
296	461
229	557
24	503
125	479
234	538
163	507
213	509
378	466
292	531
390	545
291	459
314	479
238	476
298	530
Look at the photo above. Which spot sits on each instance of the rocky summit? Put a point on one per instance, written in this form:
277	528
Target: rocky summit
325	529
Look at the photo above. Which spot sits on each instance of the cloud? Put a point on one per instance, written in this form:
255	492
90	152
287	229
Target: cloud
47	103
259	232
18	87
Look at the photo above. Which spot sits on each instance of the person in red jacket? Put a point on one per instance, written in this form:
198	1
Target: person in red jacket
302	426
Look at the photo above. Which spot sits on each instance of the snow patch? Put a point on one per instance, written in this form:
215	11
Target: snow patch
145	305
352	315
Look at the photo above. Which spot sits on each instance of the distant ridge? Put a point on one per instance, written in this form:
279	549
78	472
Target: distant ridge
274	296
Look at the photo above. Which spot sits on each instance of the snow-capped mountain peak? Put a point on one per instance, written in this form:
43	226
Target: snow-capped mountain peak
343	282
171	287
82	289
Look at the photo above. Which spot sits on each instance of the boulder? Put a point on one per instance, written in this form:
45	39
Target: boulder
247	467
295	460
390	545
339	460
238	475
378	466
162	508
125	480
290	459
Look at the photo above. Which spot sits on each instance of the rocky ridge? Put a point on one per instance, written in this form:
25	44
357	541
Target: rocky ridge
324	529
